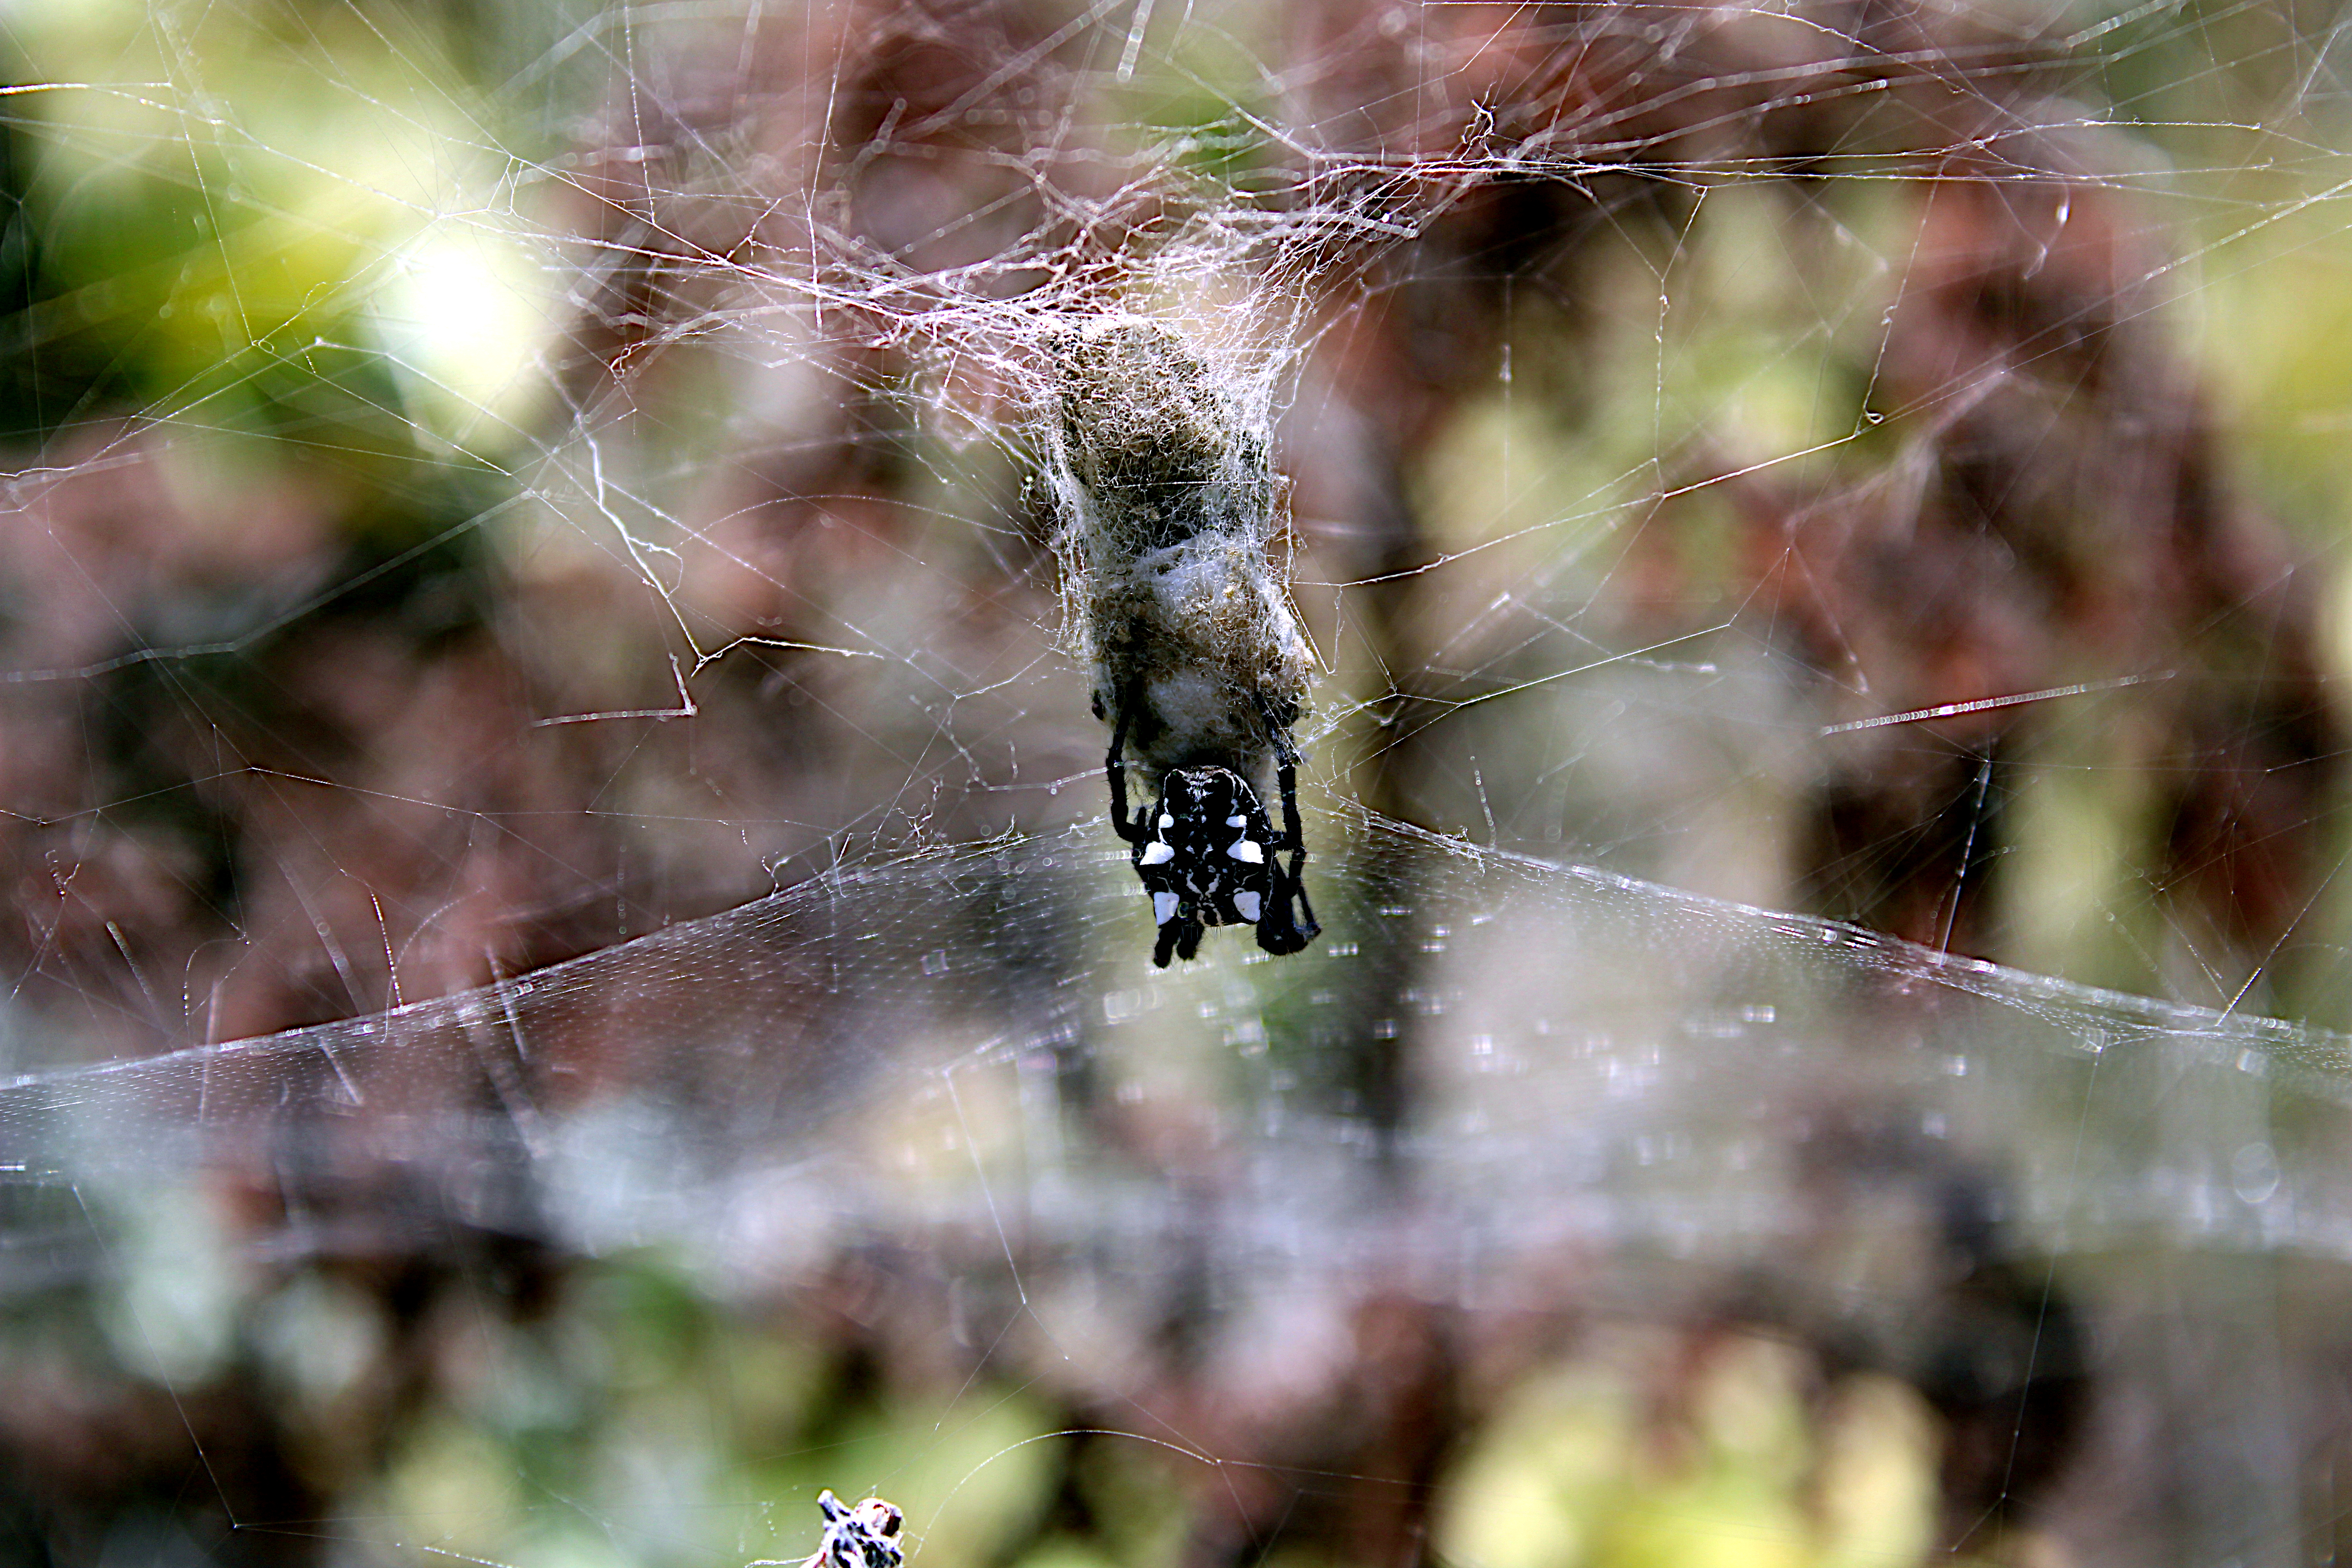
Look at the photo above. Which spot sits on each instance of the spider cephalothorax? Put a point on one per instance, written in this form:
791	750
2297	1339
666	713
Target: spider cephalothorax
1209	855
866	1536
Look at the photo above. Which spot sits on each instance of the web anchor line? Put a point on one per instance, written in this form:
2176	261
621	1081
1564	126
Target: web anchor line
1986	704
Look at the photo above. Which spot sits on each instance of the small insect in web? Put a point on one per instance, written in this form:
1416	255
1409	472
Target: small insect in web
866	1536
1166	491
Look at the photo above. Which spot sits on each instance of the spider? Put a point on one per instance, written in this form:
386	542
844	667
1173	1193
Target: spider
1207	853
866	1536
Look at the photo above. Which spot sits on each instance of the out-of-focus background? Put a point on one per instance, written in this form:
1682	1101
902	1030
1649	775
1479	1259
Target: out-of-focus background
491	484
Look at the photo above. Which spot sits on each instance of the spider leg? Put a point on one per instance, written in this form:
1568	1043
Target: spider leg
1286	775
1279	932
1306	926
1130	828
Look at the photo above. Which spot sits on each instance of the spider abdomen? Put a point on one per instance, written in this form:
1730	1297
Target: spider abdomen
1200	642
1167	493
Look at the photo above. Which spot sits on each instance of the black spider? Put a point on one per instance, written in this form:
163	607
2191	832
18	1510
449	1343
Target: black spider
866	1536
1208	855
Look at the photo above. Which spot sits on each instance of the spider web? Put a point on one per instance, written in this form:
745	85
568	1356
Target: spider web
572	986
1634	1106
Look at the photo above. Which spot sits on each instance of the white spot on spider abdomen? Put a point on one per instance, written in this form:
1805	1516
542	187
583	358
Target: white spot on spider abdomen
1247	852
1247	905
1159	852
1163	907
